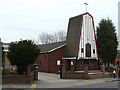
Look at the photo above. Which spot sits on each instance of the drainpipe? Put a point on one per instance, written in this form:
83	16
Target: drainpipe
76	63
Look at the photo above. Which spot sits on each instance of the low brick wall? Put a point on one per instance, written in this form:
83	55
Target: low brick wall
14	79
85	74
74	75
22	78
99	75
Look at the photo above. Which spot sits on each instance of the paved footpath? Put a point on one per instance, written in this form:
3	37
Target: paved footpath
47	80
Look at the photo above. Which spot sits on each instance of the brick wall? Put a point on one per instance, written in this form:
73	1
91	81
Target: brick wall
74	75
47	62
83	74
22	78
42	62
100	75
14	79
93	64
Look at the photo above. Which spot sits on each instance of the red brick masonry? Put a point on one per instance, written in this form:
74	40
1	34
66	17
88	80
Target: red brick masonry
22	78
84	74
15	79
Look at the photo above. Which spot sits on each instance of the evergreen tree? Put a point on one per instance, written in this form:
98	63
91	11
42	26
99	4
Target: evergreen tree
107	41
23	53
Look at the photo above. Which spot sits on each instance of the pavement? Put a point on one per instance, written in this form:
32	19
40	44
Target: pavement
48	80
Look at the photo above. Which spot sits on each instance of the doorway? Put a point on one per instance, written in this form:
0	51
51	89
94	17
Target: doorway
68	64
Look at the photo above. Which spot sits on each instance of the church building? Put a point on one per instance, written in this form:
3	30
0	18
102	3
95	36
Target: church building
80	47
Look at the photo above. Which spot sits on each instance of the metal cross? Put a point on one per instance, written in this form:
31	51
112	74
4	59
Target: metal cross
86	6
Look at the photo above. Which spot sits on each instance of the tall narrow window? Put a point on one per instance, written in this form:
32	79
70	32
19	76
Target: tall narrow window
81	50
88	50
93	51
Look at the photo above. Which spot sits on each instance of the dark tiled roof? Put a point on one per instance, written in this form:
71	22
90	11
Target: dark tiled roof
52	46
73	36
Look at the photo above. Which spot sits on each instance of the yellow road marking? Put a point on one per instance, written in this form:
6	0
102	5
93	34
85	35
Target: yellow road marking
33	86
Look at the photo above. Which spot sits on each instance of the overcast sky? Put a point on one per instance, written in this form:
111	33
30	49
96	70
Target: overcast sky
26	19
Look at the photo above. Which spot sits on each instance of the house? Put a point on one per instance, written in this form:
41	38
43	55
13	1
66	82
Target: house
6	63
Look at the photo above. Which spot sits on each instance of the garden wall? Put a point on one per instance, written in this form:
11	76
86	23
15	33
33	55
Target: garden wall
14	79
84	74
22	78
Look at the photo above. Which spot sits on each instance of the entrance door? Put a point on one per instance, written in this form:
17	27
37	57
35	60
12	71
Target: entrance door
68	64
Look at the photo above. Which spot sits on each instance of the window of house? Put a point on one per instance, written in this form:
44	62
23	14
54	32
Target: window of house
58	62
93	51
88	50
81	50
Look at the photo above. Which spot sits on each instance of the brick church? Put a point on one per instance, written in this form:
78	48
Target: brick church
79	48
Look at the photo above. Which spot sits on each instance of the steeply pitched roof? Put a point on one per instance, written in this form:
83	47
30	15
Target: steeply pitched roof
51	47
73	36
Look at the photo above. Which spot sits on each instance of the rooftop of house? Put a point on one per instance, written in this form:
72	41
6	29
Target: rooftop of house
51	46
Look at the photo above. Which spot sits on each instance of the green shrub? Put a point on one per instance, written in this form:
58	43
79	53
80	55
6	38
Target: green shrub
5	72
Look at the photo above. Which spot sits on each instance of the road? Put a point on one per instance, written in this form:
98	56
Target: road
47	80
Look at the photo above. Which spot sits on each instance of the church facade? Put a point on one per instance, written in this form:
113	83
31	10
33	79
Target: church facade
79	48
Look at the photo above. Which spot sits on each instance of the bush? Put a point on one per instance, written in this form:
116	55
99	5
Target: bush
5	72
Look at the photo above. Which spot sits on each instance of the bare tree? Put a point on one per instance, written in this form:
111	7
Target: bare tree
46	38
61	36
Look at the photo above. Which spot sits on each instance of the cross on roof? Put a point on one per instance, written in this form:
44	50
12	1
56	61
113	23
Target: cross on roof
86	6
